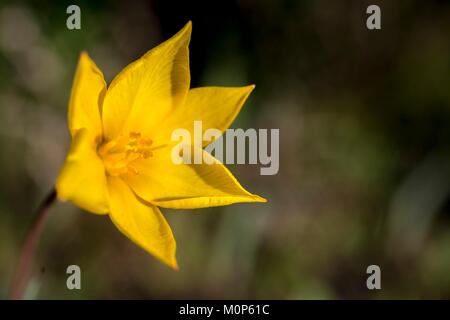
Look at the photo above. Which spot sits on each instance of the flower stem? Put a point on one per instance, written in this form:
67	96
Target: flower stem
22	271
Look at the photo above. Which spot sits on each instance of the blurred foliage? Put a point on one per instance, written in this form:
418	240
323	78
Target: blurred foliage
364	153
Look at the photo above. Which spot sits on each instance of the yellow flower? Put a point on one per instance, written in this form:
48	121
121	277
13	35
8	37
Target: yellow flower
119	162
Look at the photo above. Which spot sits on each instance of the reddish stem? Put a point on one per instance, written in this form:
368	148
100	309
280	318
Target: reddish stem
22	271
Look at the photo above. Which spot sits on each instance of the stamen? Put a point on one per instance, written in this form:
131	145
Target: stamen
104	148
135	135
119	154
147	153
133	169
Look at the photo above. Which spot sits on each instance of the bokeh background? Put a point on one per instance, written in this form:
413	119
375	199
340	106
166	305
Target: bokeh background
364	119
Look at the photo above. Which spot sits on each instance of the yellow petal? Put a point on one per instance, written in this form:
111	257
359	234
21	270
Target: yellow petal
185	186
141	222
149	88
86	98
82	179
216	107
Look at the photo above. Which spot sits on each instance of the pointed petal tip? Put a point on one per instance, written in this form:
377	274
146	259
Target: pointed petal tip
86	60
250	89
171	263
257	198
187	27
84	54
175	267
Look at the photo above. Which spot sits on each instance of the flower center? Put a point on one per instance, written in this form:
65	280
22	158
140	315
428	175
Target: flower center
118	155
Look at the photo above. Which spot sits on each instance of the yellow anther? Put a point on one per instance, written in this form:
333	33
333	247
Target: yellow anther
132	169
146	142
118	155
146	154
135	135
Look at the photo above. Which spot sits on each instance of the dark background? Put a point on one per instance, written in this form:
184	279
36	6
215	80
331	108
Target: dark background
364	119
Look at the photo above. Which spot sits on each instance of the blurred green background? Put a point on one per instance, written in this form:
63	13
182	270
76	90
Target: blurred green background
364	120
